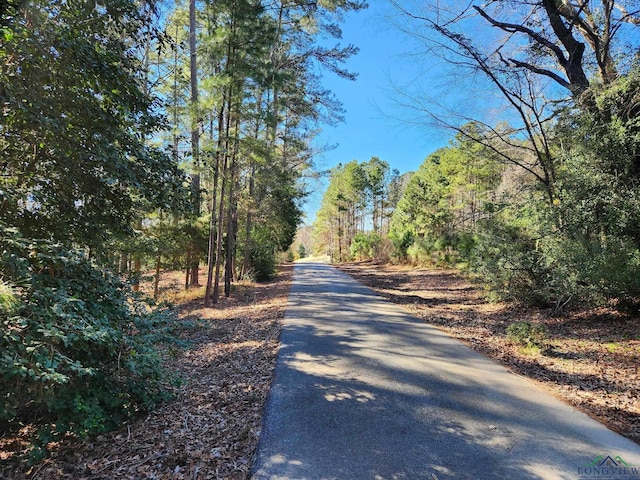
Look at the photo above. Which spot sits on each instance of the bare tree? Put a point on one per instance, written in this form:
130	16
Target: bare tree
525	51
525	141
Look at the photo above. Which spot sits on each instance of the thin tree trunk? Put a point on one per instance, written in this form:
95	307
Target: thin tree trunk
232	215
137	267
176	141
213	225
156	279
225	173
137	264
187	269
248	225
195	130
124	262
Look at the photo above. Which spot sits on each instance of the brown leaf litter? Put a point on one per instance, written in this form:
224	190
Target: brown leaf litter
211	428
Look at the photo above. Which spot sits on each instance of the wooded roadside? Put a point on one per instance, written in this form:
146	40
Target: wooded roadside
211	428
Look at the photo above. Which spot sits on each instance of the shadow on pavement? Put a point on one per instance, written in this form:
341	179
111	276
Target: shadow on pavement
363	390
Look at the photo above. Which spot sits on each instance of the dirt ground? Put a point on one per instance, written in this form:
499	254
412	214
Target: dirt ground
210	430
590	358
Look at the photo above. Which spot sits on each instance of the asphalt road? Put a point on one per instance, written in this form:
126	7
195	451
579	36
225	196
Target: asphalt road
363	390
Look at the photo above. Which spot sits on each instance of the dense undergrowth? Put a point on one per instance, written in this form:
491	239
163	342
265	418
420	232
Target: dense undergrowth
78	347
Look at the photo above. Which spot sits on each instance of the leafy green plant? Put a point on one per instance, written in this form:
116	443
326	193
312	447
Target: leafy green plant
8	300
401	243
262	255
77	348
508	259
527	334
419	253
364	245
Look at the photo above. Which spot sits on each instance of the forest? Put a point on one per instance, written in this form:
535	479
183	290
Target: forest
539	206
140	137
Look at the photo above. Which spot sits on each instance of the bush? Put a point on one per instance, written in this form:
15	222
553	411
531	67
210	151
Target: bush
419	253
401	244
263	262
508	259
595	271
365	245
439	252
527	334
465	246
77	348
8	301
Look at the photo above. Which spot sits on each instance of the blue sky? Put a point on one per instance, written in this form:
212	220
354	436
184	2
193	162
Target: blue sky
372	125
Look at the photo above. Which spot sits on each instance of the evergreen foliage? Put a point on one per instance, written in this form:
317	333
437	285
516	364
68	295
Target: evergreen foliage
78	349
466	206
555	220
74	120
108	108
360	197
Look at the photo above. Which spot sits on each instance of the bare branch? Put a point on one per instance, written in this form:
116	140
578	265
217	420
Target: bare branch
628	17
542	71
517	28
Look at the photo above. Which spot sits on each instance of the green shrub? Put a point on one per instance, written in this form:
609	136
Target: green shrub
401	244
527	334
263	262
77	350
428	251
508	259
8	300
465	246
419	253
364	245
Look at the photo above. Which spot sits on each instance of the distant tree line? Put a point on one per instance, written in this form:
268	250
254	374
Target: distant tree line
356	209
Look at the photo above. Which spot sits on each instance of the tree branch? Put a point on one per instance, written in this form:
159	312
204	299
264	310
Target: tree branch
573	64
542	71
628	17
516	28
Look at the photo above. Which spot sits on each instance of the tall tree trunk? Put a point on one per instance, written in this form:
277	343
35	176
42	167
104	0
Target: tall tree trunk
221	211
137	266
176	138
246	259
124	262
232	214
230	243
156	279
248	224
187	268
137	263
195	131
340	235
213	224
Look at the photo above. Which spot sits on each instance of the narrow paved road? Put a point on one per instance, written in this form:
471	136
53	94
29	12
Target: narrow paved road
363	390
